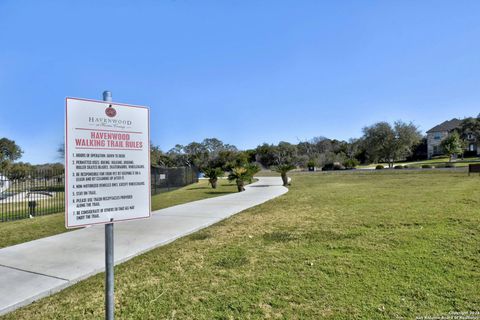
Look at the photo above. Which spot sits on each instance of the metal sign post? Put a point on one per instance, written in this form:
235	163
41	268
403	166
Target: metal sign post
109	275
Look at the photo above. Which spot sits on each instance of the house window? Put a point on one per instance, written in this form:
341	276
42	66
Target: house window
437	136
470	136
436	150
471	147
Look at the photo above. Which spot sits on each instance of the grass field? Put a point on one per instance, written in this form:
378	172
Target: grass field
15	232
381	245
433	162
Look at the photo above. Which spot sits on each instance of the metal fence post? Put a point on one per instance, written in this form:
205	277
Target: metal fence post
109	275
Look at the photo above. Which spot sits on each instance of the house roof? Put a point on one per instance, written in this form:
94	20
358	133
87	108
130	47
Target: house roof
448	125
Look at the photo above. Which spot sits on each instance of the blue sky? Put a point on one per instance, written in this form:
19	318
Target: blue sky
246	72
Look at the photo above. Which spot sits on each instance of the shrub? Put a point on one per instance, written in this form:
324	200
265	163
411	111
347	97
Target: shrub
333	166
398	167
311	164
379	167
351	163
441	165
427	166
450	165
213	174
239	175
405	167
283	169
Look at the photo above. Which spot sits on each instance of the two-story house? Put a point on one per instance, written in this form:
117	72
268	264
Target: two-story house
436	135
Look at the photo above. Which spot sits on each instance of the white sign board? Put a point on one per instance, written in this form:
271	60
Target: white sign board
107	162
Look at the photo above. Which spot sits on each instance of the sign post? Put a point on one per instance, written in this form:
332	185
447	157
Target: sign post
109	264
107	170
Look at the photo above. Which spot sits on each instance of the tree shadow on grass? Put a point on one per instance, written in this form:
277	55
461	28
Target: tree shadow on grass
220	192
199	188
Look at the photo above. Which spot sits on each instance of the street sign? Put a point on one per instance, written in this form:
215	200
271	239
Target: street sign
107	157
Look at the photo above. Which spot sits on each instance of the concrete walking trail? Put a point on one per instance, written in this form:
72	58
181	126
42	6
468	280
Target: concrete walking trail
35	269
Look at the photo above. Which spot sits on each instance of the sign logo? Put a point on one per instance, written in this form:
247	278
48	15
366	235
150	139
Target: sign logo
110	111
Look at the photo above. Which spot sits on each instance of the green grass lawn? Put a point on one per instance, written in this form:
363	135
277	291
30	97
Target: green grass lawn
377	245
15	232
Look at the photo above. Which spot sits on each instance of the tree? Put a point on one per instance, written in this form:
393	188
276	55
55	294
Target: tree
158	158
353	148
9	152
19	170
155	154
179	157
214	146
201	155
253	169
240	160
213	174
384	142
242	172
283	169
470	130
285	159
239	175
197	154
224	159
452	145
419	151
265	154
286	152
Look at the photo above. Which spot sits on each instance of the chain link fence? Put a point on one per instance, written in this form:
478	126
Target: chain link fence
166	179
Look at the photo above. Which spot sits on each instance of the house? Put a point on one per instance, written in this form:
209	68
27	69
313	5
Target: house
436	135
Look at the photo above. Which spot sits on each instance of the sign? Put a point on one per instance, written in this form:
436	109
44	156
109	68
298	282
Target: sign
107	162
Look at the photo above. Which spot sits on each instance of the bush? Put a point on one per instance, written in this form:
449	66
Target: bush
333	166
311	164
440	165
379	167
213	174
405	167
470	154
427	166
398	167
450	165
351	163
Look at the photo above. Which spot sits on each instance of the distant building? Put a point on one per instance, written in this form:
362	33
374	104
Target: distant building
437	134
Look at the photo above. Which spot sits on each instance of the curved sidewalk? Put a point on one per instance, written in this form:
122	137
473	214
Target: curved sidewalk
35	269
